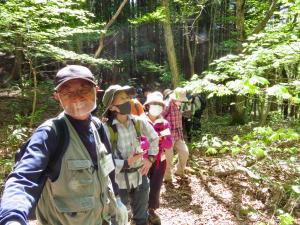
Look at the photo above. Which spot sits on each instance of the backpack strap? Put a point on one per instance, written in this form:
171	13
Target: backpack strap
102	133
137	126
113	133
63	139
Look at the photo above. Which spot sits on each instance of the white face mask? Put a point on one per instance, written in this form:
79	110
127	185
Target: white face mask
155	110
80	108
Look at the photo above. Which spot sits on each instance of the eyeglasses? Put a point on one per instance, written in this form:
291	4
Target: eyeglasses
80	92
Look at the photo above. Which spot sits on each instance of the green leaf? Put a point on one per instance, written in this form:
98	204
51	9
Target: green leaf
211	151
286	219
258	80
279	91
257	152
235	151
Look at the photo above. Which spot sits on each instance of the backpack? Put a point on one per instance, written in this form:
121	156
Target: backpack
62	134
187	110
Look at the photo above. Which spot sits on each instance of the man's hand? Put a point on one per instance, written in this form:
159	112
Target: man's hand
146	166
121	213
131	160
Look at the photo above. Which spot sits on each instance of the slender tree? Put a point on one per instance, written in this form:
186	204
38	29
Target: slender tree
260	26
170	44
107	26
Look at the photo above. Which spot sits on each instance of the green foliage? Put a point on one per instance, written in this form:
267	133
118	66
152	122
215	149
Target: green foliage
151	67
268	66
157	15
43	29
286	219
16	136
256	144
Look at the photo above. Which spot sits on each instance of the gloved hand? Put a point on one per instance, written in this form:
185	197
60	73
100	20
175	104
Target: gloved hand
121	213
144	143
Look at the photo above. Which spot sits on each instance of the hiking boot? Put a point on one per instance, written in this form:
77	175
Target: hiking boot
153	218
168	182
182	178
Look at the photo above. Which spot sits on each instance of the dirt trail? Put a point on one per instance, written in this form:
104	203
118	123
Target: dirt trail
188	203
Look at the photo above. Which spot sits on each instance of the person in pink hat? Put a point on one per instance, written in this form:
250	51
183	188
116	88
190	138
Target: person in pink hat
173	115
154	106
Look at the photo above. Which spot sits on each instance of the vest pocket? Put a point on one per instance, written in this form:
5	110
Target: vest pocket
87	208
81	179
73	205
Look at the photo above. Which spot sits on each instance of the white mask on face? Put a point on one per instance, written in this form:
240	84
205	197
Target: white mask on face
80	108
155	110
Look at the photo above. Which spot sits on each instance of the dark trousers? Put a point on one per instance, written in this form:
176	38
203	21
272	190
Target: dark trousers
187	125
156	176
190	125
138	199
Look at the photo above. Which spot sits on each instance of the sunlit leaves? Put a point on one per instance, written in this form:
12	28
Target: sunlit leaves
279	91
268	59
61	54
157	15
39	24
286	219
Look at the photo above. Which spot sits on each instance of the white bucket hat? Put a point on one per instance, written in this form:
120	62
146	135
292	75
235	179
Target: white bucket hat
155	97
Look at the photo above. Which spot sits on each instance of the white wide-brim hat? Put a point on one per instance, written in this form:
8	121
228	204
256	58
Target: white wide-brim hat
155	97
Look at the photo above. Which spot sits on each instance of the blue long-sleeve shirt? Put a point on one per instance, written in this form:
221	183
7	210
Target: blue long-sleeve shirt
25	184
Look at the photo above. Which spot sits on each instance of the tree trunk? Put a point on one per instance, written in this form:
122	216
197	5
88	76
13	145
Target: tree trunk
170	45
238	110
259	27
254	108
17	69
191	56
107	26
265	108
34	100
211	34
240	22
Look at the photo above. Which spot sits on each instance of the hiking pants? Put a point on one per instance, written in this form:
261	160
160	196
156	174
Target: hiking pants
156	176
138	199
183	154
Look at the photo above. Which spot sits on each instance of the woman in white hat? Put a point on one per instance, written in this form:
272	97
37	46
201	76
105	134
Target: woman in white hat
154	106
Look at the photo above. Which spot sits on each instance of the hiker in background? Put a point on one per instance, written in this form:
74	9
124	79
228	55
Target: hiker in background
75	187
173	115
192	112
136	107
146	91
167	93
154	106
125	133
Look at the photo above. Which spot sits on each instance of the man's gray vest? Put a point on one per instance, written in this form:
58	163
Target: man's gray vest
81	194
